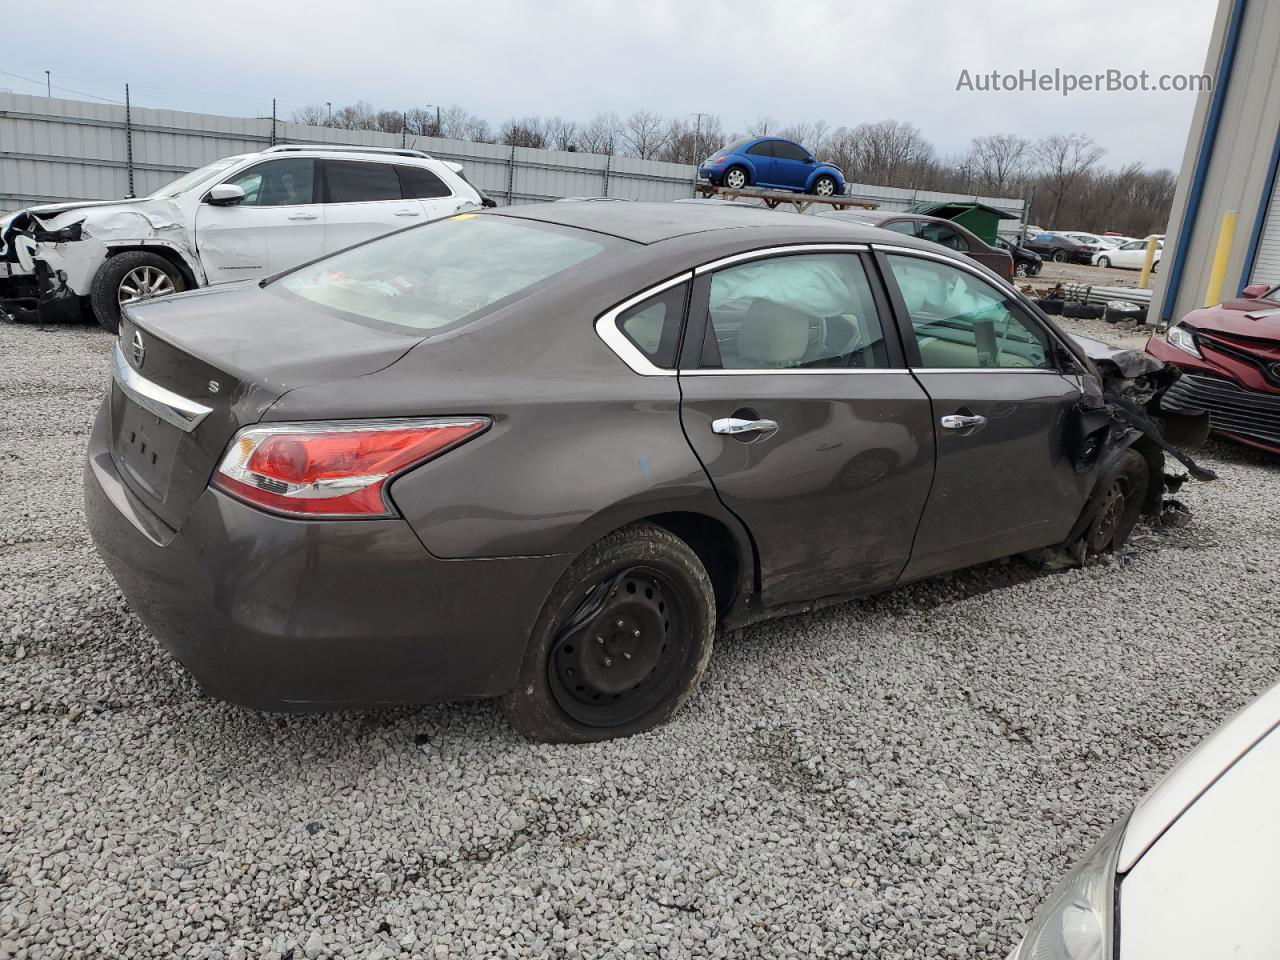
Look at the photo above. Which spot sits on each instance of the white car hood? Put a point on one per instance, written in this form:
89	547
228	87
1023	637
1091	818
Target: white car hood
1182	786
1207	887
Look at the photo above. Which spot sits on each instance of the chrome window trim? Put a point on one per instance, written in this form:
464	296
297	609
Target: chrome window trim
607	329
168	406
1056	373
775	251
790	371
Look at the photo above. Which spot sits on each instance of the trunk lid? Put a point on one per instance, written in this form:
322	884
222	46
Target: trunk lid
194	369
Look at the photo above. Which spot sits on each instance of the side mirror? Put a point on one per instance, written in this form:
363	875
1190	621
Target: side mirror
1254	291
224	195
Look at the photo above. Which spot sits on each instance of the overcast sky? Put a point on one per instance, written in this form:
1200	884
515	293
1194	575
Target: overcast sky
845	61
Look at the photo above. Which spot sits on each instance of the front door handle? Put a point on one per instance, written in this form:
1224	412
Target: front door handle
303	216
735	425
408	213
957	421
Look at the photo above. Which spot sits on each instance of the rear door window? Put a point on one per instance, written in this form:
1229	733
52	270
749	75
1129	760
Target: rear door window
943	234
360	181
809	311
421	183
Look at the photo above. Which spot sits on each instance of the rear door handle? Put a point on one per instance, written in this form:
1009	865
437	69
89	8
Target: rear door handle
736	425
957	421
304	216
408	213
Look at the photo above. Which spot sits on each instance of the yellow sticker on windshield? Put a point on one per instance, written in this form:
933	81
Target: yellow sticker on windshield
463	216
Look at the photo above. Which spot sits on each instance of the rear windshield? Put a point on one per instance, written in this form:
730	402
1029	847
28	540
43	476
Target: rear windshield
441	274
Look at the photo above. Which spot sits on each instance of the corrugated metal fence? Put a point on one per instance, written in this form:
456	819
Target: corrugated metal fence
53	150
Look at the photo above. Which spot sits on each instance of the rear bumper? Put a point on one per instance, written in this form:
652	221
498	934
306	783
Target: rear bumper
279	614
1236	410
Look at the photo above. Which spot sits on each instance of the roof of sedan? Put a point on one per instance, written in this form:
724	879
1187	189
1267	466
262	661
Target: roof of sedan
653	222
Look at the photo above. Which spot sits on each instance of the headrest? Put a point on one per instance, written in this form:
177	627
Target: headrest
773	335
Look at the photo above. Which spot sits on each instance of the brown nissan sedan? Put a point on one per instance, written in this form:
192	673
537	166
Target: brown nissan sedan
541	453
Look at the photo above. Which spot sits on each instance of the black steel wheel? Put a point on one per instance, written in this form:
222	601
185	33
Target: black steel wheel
619	652
621	643
1116	512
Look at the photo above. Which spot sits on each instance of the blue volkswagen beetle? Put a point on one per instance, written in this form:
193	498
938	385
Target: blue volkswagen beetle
773	163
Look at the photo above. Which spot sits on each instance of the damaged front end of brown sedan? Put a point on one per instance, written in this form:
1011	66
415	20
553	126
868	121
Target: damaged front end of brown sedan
1118	420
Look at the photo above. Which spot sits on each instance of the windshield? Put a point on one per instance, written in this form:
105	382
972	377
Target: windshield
444	273
189	180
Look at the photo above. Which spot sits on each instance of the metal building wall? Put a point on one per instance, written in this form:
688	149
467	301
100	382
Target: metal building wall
53	149
1239	172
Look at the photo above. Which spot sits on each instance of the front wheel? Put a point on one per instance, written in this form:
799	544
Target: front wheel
735	178
1124	491
1021	270
621	643
128	278
824	186
1104	262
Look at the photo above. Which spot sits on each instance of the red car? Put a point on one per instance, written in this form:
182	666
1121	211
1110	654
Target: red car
1230	359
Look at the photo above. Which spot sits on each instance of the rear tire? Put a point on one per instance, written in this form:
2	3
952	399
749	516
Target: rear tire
636	606
131	277
1122	500
1104	262
1059	256
735	178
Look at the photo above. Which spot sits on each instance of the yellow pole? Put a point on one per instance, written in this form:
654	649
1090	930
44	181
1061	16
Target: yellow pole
1219	273
1144	281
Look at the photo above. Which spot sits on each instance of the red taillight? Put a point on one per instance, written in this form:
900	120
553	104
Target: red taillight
333	469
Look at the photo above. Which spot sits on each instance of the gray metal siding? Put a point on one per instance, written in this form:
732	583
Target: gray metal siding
1240	169
1266	264
73	150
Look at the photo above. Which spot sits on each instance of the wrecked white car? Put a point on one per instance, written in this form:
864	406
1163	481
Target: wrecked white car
237	218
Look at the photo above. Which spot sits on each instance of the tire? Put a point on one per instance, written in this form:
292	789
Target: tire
1104	263
1155	266
824	186
1122	499
151	275
1059	256
1020	269
1050	306
574	684
735	178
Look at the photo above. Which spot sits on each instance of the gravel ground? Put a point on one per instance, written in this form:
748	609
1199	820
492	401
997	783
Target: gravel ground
901	777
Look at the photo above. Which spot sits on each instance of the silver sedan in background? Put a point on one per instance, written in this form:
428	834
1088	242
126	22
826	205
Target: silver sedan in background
1192	871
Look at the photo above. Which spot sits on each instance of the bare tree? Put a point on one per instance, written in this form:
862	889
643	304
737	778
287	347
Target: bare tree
1064	160
888	153
562	134
997	161
422	122
602	134
453	123
761	126
477	129
313	114
525	132
356	116
643	134
389	121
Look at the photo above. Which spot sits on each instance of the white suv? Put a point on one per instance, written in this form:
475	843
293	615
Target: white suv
241	217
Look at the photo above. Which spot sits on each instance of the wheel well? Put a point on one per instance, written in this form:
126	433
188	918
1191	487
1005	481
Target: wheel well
715	546
169	254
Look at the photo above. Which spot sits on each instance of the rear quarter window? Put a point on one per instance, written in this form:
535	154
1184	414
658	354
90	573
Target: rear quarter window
443	274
